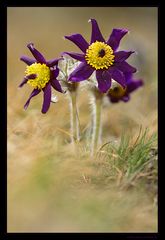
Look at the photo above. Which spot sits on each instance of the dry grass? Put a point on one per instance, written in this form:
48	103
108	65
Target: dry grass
49	188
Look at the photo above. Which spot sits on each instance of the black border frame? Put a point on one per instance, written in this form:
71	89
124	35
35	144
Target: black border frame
3	124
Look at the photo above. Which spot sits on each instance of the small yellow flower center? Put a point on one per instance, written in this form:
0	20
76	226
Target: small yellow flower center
42	72
116	90
99	55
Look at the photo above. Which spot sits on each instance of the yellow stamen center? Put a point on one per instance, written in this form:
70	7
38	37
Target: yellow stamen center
99	55
42	72
116	90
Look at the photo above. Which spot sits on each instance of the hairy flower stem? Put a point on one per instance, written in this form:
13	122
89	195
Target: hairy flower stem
74	120
96	121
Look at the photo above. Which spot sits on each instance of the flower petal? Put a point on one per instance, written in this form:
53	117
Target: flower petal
47	98
125	98
54	71
133	85
115	37
112	99
125	67
38	56
53	62
82	72
33	93
54	82
79	41
122	55
31	76
78	56
118	76
56	85
128	77
96	34
27	60
104	80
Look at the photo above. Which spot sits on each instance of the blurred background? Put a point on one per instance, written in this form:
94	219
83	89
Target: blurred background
47	187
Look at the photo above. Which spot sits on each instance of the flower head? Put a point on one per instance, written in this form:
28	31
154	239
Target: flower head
101	57
41	75
117	92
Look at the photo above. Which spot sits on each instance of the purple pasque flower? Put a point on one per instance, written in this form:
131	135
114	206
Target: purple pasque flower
117	92
41	75
102	57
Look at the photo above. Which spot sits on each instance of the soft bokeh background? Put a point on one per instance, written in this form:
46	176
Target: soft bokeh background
47	187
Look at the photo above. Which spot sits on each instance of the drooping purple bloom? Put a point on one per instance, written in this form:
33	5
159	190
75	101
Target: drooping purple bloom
41	75
101	57
117	93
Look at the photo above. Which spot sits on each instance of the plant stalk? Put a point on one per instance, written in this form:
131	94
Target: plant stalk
74	119
97	126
